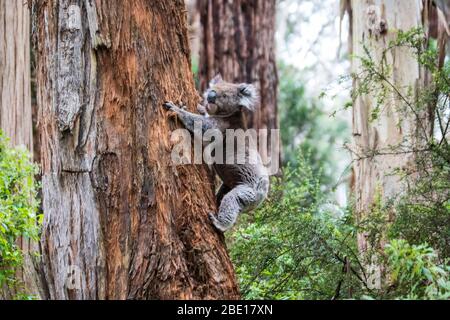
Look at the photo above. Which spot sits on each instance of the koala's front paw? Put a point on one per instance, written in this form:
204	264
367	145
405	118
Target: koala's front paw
169	105
216	223
201	109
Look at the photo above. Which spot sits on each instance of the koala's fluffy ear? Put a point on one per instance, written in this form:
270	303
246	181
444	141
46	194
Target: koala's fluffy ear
247	90
217	79
249	96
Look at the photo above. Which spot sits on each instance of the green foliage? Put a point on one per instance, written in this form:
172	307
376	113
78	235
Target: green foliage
415	273
294	247
18	207
297	247
423	214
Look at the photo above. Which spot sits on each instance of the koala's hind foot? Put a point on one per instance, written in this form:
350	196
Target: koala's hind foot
232	204
217	224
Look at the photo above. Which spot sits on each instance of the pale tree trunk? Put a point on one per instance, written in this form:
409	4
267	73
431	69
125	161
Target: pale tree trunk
376	23
15	95
15	110
194	28
120	221
238	41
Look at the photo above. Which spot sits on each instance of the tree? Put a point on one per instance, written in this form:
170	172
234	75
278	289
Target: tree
388	129
238	41
15	109
120	221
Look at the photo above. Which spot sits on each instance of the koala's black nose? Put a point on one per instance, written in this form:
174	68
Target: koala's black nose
212	95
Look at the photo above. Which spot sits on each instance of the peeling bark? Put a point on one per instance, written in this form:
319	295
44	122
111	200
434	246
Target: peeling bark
376	23
120	221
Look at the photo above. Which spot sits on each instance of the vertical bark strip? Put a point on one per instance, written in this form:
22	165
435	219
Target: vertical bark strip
120	221
238	41
15	111
15	94
374	175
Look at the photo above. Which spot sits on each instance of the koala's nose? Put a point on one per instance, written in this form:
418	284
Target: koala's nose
212	95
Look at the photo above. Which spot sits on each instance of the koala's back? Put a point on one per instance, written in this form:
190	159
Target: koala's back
236	174
252	173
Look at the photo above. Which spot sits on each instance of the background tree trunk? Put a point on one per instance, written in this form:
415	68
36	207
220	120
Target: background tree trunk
374	175
194	30
15	95
120	221
238	41
15	109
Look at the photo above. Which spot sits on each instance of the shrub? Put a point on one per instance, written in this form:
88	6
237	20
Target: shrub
299	246
18	207
295	247
414	272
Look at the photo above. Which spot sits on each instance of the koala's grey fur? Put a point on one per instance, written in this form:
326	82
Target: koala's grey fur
245	186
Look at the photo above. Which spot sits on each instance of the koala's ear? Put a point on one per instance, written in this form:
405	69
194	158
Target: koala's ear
217	79
249	96
247	90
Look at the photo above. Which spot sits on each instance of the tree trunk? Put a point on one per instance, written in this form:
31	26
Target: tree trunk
194	29
376	23
238	41
120	221
15	95
15	111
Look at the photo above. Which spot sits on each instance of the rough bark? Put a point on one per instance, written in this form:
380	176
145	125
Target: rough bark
15	110
374	175
238	41
120	221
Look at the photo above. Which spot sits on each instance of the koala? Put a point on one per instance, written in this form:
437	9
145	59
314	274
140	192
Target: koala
244	186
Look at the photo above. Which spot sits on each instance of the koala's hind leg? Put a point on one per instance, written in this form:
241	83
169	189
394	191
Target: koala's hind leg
223	190
233	203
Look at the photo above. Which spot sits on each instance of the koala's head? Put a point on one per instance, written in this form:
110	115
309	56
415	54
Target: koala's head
225	99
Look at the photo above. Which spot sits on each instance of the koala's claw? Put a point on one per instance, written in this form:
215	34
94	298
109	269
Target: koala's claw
201	109
212	217
169	105
216	223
